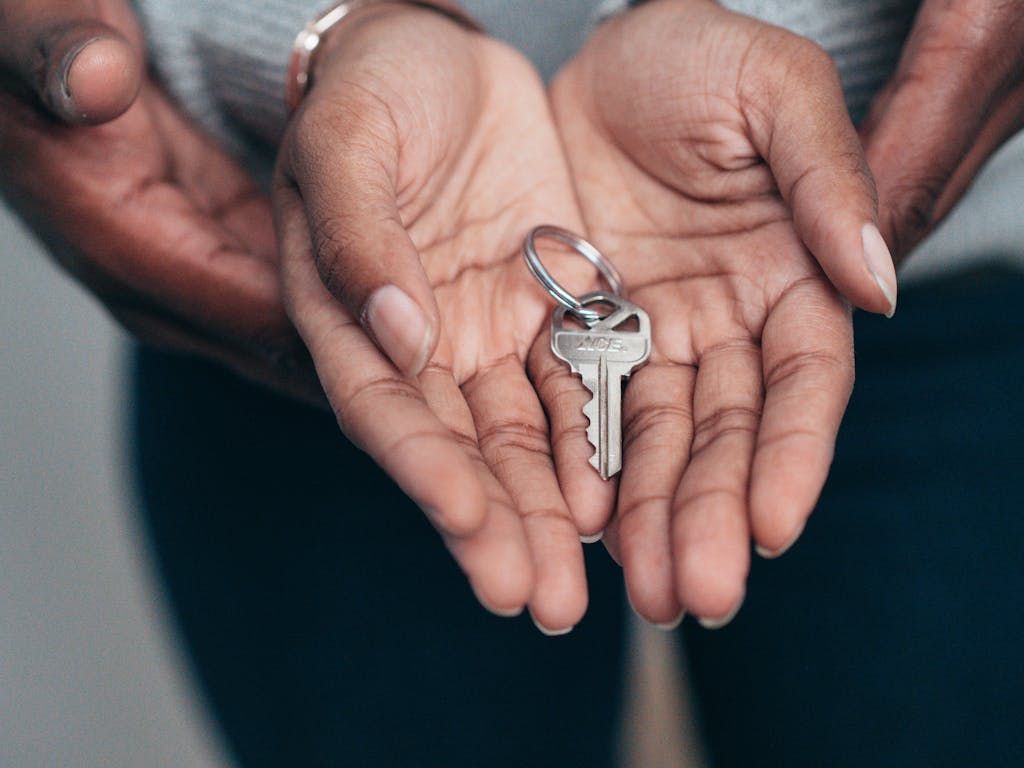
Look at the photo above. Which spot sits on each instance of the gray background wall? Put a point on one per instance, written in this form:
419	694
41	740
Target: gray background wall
90	676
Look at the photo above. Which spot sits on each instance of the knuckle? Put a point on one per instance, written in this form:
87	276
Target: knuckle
714	496
811	60
911	208
551	515
514	435
796	60
655	419
369	395
408	441
569	435
811	364
632	506
723	421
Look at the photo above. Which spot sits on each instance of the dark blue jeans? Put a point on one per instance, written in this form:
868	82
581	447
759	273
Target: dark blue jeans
328	627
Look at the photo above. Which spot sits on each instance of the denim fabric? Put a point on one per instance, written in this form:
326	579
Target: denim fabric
326	622
891	635
329	627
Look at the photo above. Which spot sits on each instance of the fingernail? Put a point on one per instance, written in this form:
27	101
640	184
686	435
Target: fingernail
672	625
593	539
551	632
724	620
503	613
879	261
771	554
59	87
400	327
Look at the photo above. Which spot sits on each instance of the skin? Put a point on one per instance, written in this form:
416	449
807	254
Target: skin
707	185
184	256
133	200
959	91
426	169
419	158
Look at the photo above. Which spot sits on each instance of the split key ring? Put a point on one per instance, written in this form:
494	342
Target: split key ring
553	287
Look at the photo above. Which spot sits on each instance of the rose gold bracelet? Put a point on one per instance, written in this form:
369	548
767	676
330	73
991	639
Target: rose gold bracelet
308	40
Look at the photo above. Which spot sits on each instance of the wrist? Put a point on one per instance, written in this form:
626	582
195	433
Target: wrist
325	32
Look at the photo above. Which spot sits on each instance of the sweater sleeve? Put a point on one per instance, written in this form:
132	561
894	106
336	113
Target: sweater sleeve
225	61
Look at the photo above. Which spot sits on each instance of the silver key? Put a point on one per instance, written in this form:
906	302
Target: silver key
603	356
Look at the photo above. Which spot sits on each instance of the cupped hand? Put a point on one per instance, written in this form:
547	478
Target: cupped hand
718	168
421	156
135	202
957	95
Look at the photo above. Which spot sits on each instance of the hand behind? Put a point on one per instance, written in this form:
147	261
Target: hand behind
421	156
144	210
713	156
957	95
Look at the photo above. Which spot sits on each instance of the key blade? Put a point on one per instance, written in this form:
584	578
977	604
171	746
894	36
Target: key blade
604	412
603	357
592	410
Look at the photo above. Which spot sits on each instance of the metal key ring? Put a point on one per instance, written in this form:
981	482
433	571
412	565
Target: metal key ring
552	286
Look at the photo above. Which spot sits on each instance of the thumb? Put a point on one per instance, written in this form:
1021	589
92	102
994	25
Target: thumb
801	126
362	250
82	70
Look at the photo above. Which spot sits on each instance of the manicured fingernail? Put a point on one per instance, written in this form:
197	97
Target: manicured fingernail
724	620
592	539
672	625
771	554
400	327
551	632
879	261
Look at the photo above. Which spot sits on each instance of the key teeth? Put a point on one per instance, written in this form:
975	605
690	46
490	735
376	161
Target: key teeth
590	411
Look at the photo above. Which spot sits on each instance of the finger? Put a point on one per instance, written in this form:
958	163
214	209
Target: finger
213	180
807	345
379	409
290	373
344	163
124	231
496	558
514	441
954	64
82	69
1006	121
710	526
610	540
657	431
590	499
801	126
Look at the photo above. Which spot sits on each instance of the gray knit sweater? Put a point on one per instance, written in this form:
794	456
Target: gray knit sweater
225	61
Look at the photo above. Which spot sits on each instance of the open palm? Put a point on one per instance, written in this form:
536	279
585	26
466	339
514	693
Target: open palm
713	155
419	159
145	210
